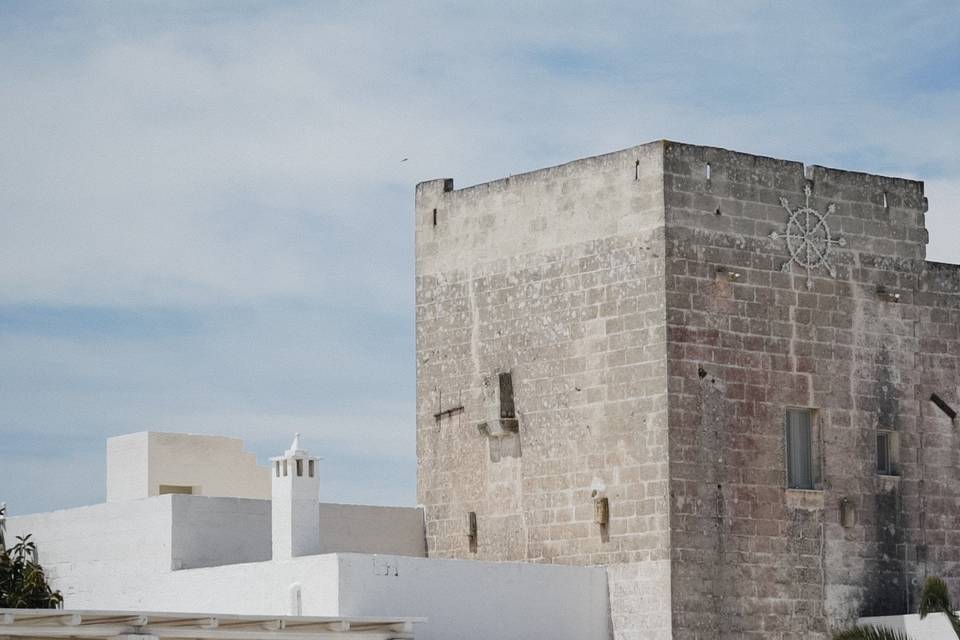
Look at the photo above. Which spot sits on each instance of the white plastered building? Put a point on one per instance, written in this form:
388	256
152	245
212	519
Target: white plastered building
187	528
151	463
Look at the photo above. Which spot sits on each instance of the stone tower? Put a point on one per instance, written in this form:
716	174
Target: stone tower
730	379
295	503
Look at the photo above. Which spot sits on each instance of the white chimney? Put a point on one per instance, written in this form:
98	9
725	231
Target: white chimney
295	508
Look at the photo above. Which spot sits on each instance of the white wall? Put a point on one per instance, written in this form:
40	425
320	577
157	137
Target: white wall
127	467
209	532
212	465
252	588
97	554
185	532
475	600
462	599
368	529
933	627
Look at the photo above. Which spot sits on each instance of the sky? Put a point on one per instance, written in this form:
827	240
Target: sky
206	208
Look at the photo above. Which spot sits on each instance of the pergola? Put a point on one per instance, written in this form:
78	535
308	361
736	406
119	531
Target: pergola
135	625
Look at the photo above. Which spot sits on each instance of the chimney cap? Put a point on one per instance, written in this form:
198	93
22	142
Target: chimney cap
295	450
295	445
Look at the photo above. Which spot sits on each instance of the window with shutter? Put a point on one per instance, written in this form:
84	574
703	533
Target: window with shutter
800	450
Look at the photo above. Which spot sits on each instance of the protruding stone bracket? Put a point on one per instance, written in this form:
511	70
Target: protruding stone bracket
501	443
502	430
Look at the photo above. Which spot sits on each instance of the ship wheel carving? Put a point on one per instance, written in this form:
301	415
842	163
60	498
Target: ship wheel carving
808	237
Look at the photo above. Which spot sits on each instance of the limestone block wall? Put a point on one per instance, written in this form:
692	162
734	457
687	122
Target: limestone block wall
556	278
857	328
935	486
746	340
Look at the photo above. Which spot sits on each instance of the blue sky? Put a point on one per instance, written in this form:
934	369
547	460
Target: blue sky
207	226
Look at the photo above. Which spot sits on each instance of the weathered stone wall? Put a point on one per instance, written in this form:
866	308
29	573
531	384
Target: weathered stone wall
559	278
748	340
555	277
934	495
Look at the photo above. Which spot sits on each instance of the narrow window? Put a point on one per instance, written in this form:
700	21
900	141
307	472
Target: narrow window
472	530
884	451
299	468
278	468
284	468
310	468
434	217
507	410
799	437
173	488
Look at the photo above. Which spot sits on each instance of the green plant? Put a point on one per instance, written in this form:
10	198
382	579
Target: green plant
870	632
23	584
935	598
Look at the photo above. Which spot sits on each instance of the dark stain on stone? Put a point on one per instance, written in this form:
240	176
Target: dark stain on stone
888	396
711	402
886	588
